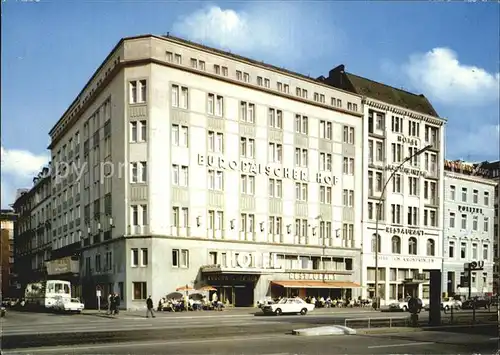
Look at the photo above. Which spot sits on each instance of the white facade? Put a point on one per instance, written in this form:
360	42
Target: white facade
209	156
410	229
468	231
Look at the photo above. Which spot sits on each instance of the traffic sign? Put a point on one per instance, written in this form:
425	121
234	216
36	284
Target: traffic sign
98	293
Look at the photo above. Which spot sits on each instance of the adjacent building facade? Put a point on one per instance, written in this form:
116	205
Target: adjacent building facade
7	275
396	125
181	165
468	228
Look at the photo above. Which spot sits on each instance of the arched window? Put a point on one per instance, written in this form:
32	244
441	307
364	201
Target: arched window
396	245
412	246
374	243
431	247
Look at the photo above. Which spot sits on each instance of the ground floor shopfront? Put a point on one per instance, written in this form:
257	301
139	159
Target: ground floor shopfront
482	281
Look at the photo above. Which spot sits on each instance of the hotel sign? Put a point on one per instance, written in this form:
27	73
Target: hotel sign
409	141
404	231
470	209
311	276
270	170
251	260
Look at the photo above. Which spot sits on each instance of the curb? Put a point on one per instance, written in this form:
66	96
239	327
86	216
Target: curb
394	330
327	330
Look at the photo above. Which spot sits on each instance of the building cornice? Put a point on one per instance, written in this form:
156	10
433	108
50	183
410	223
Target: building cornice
470	178
438	121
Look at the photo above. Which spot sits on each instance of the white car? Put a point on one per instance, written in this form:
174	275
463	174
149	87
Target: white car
288	305
402	305
70	305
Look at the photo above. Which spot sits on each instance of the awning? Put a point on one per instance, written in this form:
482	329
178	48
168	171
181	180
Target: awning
316	284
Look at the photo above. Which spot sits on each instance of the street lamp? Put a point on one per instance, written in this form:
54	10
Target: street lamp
378	214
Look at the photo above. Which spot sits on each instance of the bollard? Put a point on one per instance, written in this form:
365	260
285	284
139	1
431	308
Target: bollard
474	312
414	320
451	315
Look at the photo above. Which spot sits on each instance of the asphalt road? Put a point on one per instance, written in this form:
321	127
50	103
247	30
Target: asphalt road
446	341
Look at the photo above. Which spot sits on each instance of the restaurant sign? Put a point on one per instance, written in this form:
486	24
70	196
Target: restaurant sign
404	231
311	276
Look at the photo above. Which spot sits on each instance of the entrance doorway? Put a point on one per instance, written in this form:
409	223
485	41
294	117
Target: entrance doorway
237	290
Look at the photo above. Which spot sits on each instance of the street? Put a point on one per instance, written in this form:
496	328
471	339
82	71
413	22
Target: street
449	341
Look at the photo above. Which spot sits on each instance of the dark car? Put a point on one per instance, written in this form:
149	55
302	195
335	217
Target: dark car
479	303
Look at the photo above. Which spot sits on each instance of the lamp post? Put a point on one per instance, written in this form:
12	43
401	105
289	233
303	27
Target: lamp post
378	214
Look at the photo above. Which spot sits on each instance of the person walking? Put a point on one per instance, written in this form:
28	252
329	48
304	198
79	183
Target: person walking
110	299
116	303
149	305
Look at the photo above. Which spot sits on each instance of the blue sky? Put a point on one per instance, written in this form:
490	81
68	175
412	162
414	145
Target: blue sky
447	51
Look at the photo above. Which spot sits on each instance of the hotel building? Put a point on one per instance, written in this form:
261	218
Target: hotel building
396	125
189	166
468	228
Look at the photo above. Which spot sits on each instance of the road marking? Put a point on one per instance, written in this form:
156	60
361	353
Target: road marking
494	338
145	344
399	345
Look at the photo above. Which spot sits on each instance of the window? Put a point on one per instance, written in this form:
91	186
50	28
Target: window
301	227
247	112
413	185
348	135
486	224
134	257
413	216
301	157
144	257
452	193
486	198
371	214
464	221
379	151
486	255
452	220
246	77
412	151
348	166
247	184
267	83
260	81
396	213
474	223
178	59
413	129
301	124
275	188
215	105
301	191
247	147
139	215
396	245
397	152
348	198
225	71
396	183
325	229
431	247
215	142
375	242
474	251
431	135
275	118
397	124
215	220
377	183
180	175
247	223
137	91
475	196
325	130
180	135
180	217
180	96
138	131
412	246
325	194
463	250
325	162
464	194
275	225
239	75
194	63
216	180
217	69
170	56
180	258
275	153
140	290
451	249
380	121
139	172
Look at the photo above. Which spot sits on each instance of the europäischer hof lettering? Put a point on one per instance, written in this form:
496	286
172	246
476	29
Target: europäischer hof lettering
404	231
264	169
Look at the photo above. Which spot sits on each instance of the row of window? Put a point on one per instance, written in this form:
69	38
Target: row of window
475	222
430	188
261	81
475	196
396	245
376	155
464	248
412	217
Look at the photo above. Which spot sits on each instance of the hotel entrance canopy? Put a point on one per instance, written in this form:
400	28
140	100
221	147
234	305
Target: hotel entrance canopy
316	284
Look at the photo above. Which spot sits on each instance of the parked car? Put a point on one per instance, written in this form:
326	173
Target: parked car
288	305
451	303
402	305
480	303
264	302
69	305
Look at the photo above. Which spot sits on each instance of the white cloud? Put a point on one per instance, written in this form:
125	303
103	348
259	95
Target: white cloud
440	75
22	163
266	28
